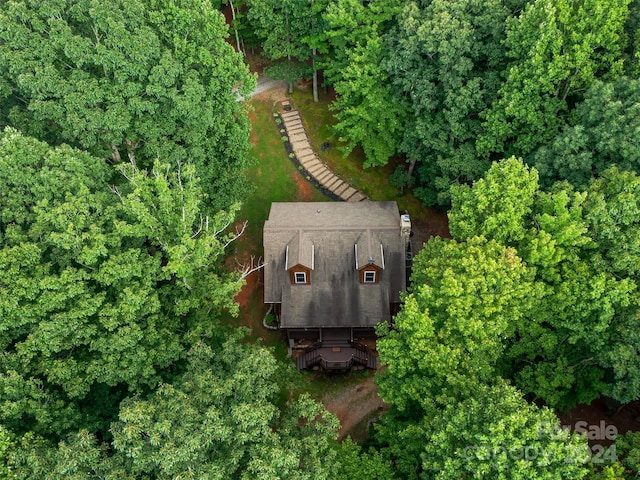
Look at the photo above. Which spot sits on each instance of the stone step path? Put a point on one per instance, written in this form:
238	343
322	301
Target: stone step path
311	162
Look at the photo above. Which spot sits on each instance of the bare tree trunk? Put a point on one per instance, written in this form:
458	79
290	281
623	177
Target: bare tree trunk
131	150
412	165
235	27
115	153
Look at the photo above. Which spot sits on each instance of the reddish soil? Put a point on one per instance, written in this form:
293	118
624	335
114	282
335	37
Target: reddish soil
434	223
355	407
252	286
305	191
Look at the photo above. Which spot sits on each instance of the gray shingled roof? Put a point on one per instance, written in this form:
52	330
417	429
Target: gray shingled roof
322	236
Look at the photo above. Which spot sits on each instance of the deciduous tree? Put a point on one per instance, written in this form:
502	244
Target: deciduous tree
446	59
105	279
369	114
218	420
601	134
558	48
465	300
492	210
494	433
135	80
284	27
451	413
579	340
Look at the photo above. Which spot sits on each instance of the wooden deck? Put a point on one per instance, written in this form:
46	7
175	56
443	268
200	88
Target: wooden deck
337	356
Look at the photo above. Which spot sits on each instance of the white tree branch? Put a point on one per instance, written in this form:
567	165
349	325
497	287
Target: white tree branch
115	190
247	269
238	234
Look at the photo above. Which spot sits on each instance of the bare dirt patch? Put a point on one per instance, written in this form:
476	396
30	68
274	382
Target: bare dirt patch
435	223
275	95
305	191
252	287
356	406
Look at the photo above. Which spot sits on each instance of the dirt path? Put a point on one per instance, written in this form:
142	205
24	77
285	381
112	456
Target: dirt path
268	89
356	406
265	84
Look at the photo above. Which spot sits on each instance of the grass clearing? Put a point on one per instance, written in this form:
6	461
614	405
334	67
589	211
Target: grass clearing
273	175
319	121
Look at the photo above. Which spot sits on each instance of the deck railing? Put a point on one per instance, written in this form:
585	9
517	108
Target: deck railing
360	355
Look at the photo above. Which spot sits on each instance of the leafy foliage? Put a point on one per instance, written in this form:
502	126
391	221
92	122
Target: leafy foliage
400	179
453	85
558	48
493	434
489	209
451	415
579	340
285	28
356	463
602	135
628	445
218	420
141	80
446	59
102	289
467	293
368	112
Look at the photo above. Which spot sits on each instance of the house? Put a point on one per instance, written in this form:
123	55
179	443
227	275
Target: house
332	272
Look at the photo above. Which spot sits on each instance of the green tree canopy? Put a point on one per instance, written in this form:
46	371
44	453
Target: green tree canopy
218	420
496	434
446	58
105	279
632	30
451	413
358	463
602	134
134	81
579	340
284	27
368	112
558	48
464	301
490	209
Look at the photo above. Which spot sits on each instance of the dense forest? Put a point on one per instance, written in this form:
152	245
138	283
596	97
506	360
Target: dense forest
121	152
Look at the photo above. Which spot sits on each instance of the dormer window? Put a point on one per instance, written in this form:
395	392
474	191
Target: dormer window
300	275
369	276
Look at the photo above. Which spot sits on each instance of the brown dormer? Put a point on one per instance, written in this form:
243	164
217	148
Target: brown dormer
369	257
300	259
370	274
300	275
